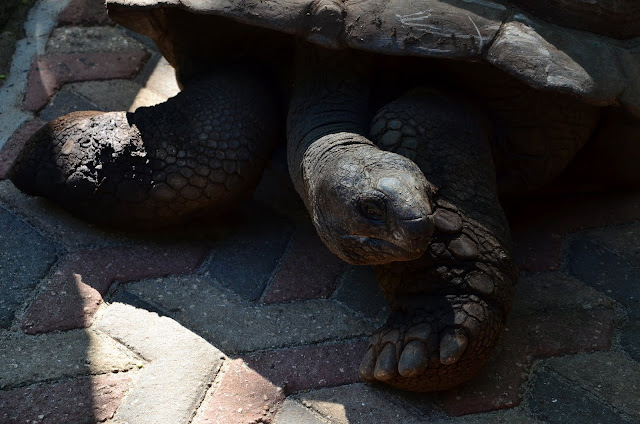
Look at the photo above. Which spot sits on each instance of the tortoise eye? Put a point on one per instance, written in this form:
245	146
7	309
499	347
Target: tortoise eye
372	208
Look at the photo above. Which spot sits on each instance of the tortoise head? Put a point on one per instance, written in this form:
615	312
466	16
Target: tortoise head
373	207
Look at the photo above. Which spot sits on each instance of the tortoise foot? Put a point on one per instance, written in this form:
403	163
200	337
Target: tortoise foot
199	153
433	349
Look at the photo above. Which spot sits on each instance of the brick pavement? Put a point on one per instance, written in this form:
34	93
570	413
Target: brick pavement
256	321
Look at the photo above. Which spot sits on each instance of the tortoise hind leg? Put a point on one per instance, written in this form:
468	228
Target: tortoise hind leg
198	153
449	306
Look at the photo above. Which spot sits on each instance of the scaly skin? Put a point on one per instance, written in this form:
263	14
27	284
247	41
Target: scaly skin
198	153
449	306
450	303
369	206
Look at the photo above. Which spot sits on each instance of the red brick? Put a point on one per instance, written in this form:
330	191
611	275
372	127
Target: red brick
49	72
15	144
64	304
72	297
243	397
81	400
310	367
552	316
85	12
309	271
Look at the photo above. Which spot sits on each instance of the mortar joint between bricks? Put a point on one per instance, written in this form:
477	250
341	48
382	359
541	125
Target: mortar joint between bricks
278	267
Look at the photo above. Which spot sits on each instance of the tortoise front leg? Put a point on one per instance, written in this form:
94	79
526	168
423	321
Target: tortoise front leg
198	153
449	306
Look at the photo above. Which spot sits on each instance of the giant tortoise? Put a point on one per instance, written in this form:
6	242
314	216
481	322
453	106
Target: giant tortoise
405	121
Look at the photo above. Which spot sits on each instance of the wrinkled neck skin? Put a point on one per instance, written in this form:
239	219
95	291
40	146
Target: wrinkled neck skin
368	206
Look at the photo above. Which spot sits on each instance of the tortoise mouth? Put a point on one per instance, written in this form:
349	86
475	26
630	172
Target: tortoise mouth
377	251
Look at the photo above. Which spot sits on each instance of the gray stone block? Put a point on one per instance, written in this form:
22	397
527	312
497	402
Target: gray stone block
20	268
555	401
244	260
160	77
236	326
66	101
183	365
606	270
630	339
359	291
609	376
57	224
293	412
117	94
50	356
363	403
75	39
504	416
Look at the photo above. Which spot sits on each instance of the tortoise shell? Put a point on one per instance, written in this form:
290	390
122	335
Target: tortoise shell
588	49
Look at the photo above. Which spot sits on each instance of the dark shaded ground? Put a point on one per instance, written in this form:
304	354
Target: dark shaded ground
13	13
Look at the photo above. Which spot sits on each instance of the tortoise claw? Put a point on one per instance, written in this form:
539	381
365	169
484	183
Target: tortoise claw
452	346
386	366
368	364
414	359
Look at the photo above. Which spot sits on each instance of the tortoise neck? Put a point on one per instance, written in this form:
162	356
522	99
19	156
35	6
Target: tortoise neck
328	110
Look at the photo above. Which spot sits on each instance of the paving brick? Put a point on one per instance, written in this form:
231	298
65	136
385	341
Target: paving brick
278	193
620	239
21	268
245	260
49	72
65	101
539	228
293	412
609	262
82	400
56	223
235	326
80	281
630	339
552	315
243	397
160	77
557	315
117	94
362	403
518	415
310	367
359	291
33	359
89	39
14	145
85	12
183	365
573	212
557	402
609	376
126	297
498	385
537	250
308	271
